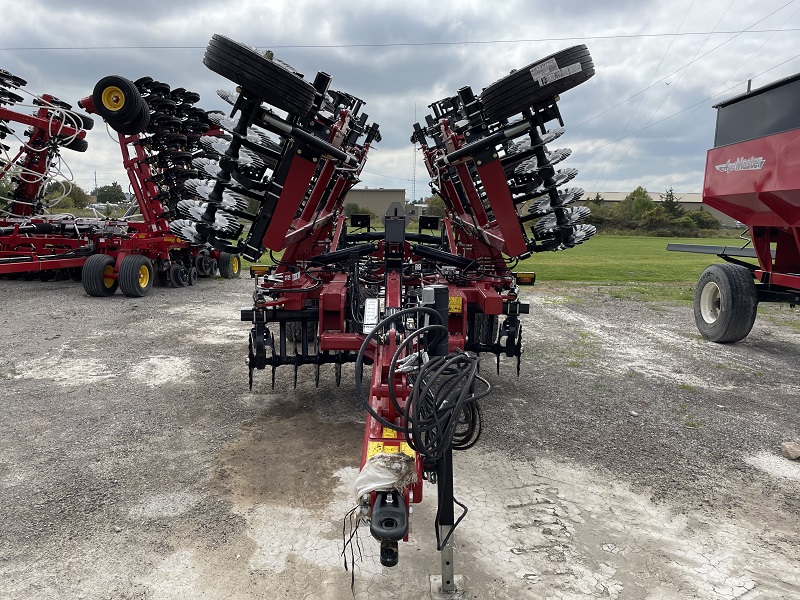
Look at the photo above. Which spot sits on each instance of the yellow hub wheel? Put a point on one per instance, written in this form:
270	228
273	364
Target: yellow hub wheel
144	276
108	276
113	98
235	265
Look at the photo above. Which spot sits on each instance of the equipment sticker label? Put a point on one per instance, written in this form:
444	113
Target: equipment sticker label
550	77
406	449
546	67
754	163
374	448
389	433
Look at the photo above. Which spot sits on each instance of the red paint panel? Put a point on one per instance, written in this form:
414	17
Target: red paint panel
505	213
736	175
297	181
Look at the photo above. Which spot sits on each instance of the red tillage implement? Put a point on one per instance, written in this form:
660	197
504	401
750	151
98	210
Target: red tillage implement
416	306
753	175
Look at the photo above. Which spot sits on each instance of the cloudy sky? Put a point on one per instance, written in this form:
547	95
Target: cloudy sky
645	118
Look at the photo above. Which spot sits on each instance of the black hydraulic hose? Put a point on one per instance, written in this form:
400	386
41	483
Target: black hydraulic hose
359	367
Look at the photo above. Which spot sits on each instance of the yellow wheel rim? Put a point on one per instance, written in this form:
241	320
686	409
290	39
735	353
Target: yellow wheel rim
113	98
108	276
144	276
235	264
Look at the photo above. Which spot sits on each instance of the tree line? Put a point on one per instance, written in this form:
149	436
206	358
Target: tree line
69	195
636	214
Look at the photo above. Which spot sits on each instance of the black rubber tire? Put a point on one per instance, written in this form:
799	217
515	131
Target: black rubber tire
179	275
95	276
515	92
192	275
78	145
269	80
485	328
75	273
294	331
136	275
230	265
204	266
116	98
725	303
85	121
137	124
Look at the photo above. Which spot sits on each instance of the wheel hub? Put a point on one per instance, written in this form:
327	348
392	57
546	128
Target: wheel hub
113	98
710	303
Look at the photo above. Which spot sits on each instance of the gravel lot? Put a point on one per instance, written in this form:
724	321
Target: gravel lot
631	459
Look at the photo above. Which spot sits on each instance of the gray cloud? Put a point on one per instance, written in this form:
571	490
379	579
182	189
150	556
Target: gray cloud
395	80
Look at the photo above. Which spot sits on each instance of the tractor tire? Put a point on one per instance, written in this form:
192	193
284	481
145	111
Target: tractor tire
116	99
192	275
537	83
230	265
269	80
78	145
97	277
136	276
725	303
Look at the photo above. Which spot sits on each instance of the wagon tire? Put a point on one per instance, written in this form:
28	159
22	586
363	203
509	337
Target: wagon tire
725	303
136	275
230	265
520	90
268	79
98	276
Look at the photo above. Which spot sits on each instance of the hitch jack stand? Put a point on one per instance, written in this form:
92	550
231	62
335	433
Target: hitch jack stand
444	466
446	519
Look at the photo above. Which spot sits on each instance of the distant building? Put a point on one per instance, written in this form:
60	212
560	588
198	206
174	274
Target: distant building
375	200
688	201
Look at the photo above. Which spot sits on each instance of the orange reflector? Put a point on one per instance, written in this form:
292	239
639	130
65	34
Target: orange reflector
259	270
528	278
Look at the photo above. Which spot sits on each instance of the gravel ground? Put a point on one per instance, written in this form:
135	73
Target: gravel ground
631	459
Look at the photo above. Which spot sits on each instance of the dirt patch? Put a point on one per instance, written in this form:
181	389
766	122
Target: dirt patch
288	456
631	459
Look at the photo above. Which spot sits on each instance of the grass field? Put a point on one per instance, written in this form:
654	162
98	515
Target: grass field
625	259
633	267
638	268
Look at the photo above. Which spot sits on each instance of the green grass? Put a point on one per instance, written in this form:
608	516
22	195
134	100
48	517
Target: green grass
632	267
625	259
